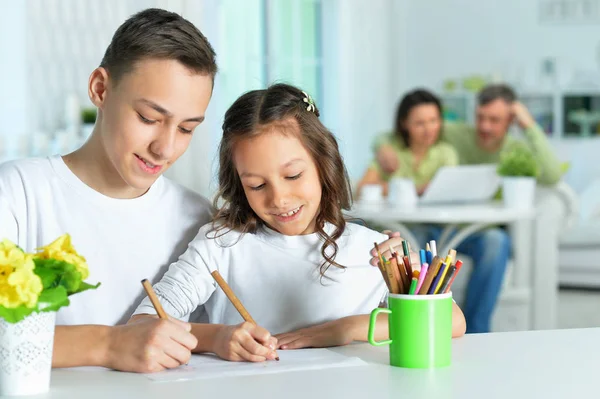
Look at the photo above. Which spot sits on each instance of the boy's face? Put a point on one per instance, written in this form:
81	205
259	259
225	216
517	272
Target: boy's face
280	180
148	117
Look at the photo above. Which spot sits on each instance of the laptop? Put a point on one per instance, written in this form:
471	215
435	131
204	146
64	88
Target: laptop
462	184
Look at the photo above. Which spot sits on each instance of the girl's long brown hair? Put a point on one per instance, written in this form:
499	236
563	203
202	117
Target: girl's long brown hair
249	116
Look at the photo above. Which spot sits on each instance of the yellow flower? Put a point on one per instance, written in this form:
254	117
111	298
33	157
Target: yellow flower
61	249
19	285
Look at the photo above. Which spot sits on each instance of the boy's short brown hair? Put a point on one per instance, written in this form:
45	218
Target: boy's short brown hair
159	34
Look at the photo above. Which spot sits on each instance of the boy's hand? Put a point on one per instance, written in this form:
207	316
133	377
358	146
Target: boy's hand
387	159
334	333
395	241
245	342
148	344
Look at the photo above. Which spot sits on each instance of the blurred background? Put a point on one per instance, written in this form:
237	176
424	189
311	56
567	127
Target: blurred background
356	58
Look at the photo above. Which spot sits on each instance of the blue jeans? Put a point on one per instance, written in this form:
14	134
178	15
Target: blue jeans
490	250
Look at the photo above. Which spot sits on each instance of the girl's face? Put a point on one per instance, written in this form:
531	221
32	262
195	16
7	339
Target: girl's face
280	180
423	125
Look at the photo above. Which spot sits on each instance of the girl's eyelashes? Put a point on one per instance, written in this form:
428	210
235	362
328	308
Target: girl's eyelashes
186	131
261	186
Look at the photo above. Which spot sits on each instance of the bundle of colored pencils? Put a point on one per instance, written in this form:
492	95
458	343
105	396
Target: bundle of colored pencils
435	277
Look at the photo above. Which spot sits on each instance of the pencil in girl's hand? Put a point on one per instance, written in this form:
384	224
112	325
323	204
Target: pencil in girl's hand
154	299
458	265
235	301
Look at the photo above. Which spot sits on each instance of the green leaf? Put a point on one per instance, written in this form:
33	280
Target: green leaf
85	286
14	315
49	277
53	298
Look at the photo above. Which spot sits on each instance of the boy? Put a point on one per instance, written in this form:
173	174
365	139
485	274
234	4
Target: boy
151	89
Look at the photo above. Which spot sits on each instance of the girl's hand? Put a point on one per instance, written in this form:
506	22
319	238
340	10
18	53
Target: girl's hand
245	342
334	333
395	241
387	159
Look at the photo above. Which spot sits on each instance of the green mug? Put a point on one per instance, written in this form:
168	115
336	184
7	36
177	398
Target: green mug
420	328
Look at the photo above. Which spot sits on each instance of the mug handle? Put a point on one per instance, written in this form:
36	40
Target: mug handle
372	323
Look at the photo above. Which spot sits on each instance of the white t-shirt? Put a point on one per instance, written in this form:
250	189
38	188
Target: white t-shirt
276	277
123	240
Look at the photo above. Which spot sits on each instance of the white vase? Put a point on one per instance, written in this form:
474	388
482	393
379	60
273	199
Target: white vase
518	192
26	354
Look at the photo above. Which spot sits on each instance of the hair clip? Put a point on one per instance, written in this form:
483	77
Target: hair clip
311	103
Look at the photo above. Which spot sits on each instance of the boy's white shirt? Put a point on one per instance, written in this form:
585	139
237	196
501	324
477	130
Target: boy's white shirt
123	240
276	277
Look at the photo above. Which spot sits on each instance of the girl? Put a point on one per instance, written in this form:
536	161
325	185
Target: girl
415	143
279	238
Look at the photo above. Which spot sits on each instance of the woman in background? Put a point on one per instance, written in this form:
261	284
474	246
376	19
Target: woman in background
416	142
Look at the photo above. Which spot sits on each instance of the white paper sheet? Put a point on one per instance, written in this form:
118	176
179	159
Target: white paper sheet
210	366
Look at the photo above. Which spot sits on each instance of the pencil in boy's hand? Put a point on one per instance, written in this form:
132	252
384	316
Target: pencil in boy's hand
234	300
154	299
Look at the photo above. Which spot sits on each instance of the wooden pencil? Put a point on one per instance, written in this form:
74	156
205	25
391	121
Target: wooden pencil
431	273
402	279
154	299
235	301
394	289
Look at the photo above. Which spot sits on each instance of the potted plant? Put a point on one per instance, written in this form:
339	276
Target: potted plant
519	170
33	286
88	119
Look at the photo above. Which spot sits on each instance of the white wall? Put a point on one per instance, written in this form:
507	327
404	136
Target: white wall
358	54
13	71
461	37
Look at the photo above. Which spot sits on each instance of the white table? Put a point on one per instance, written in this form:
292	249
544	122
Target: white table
533	364
466	219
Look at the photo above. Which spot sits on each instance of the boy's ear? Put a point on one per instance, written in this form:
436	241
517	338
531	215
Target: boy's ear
97	85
